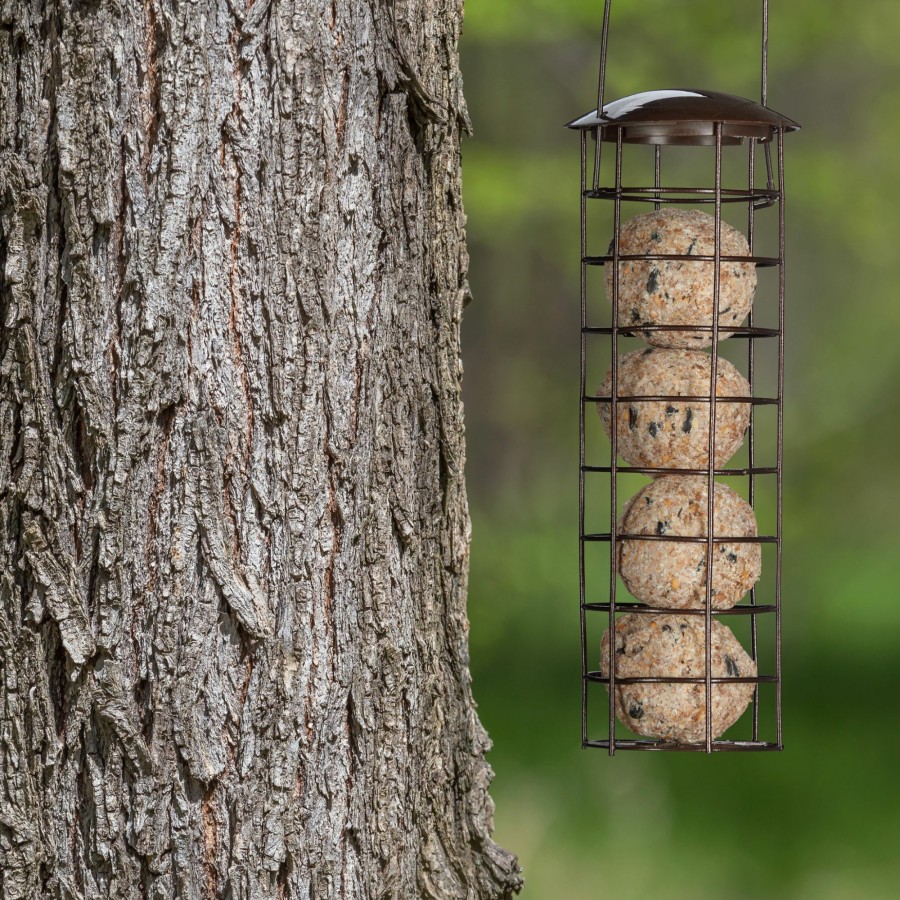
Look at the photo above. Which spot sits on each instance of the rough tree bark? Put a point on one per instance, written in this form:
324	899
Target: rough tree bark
233	525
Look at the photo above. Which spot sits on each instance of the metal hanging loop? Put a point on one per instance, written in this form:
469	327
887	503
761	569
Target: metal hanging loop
604	41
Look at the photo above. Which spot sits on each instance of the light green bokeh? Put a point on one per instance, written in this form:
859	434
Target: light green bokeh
820	820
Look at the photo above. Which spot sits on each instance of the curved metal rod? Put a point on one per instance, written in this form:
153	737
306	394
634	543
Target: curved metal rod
601	87
604	42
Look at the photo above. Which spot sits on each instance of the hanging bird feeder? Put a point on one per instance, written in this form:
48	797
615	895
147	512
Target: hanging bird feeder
681	282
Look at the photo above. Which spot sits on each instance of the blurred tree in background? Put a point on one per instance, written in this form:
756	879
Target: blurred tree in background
820	820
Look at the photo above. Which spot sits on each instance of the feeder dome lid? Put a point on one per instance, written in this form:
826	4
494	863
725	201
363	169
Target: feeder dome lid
684	117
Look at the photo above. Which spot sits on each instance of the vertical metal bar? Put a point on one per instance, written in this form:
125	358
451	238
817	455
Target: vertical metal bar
614	429
764	88
751	430
781	284
657	167
711	469
581	459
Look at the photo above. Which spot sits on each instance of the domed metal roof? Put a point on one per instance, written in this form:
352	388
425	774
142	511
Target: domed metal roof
684	117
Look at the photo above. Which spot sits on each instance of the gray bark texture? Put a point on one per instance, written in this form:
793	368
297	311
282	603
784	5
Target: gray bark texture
233	527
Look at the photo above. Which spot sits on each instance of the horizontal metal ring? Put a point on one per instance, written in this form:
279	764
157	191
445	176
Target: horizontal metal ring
761	262
606	537
657	471
717	746
761	199
674	398
664	679
638	331
644	609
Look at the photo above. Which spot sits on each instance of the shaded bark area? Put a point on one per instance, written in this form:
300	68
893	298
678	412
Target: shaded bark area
233	524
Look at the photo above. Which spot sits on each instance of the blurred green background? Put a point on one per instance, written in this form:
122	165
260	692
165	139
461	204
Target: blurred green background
822	819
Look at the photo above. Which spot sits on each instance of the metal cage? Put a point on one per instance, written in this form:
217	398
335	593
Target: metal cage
686	118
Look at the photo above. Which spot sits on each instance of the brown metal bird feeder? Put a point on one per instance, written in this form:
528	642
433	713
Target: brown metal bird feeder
728	125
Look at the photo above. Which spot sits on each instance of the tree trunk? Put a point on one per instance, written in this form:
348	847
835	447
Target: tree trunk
233	525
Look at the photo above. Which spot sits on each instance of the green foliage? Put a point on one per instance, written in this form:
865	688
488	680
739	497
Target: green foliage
818	821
